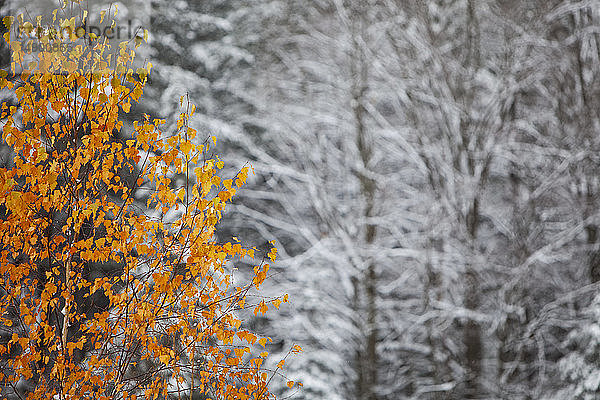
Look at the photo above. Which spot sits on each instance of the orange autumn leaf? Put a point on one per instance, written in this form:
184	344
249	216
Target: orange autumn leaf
296	349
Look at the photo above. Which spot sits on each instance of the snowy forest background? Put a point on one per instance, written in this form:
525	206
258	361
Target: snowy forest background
429	170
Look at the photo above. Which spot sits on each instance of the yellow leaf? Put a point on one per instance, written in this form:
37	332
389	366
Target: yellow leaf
290	384
142	72
186	147
272	254
181	194
8	21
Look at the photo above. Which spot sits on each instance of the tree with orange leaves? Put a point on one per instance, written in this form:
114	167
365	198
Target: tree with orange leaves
164	323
